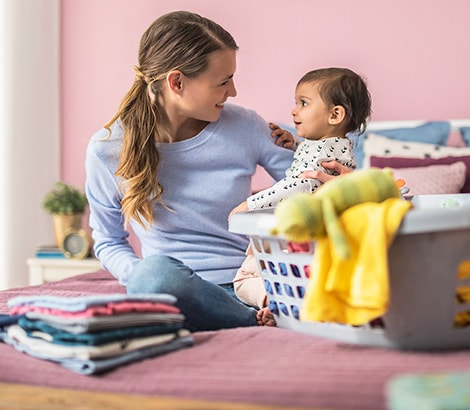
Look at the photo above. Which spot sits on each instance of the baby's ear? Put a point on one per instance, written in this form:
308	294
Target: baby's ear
337	115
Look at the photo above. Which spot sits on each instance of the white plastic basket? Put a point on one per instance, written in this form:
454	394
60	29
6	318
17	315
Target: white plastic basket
433	240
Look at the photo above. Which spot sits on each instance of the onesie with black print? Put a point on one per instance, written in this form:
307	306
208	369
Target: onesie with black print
308	157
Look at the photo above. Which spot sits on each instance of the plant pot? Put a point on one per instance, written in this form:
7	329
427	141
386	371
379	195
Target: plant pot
64	223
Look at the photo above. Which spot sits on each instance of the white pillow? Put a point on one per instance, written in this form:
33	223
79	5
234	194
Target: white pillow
433	179
379	146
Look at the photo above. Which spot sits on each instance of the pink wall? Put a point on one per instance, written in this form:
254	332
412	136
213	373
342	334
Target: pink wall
415	58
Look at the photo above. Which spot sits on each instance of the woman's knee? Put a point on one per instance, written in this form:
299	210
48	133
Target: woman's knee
158	274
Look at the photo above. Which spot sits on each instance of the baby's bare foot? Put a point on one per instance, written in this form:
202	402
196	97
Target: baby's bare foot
265	317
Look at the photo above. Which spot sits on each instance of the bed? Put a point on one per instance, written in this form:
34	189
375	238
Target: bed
260	366
243	368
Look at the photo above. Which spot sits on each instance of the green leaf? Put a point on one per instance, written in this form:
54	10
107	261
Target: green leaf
64	199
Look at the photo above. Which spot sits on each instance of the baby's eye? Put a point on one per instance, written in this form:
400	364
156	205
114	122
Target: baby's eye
303	103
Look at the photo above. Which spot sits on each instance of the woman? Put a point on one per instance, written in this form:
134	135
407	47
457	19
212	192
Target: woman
172	163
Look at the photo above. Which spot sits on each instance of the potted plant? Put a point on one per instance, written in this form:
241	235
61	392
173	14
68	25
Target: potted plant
67	205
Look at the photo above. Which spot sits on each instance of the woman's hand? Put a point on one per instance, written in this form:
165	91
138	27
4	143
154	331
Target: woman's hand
323	176
283	137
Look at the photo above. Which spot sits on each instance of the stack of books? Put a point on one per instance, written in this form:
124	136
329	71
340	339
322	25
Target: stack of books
49	251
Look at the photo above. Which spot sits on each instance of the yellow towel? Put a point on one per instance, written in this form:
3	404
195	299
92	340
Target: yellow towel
354	290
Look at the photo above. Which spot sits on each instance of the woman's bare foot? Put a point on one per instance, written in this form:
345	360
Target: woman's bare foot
265	317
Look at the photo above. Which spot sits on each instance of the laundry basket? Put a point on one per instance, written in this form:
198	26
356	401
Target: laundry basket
431	244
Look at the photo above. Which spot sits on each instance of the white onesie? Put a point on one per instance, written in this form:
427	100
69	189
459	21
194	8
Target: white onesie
308	157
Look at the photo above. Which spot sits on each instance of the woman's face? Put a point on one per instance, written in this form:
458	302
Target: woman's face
204	96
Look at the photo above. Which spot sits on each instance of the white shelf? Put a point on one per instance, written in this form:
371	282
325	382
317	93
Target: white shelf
52	269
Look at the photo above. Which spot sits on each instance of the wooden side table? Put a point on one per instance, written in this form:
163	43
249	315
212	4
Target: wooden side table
52	269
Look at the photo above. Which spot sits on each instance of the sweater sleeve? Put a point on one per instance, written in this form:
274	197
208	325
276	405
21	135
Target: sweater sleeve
273	158
110	237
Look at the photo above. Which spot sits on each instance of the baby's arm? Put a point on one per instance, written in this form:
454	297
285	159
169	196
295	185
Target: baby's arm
323	176
248	284
270	197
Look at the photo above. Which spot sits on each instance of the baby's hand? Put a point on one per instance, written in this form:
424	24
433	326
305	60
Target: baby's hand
283	137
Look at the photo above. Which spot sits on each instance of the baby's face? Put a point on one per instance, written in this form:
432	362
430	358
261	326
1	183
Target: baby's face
310	114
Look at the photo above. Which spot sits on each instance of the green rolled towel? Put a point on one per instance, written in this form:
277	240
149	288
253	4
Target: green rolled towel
305	217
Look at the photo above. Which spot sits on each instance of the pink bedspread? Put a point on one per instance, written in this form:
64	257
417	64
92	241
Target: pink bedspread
268	366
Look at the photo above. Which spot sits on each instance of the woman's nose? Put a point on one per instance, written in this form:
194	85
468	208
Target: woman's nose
232	92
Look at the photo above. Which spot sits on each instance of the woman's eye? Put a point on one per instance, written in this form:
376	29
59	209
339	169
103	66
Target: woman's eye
226	82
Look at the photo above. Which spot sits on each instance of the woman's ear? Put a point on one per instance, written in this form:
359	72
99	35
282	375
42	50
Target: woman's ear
175	81
337	115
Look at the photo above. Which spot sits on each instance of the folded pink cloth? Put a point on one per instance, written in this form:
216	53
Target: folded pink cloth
110	308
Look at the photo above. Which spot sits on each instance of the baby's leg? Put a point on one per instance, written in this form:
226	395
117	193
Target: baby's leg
265	317
248	284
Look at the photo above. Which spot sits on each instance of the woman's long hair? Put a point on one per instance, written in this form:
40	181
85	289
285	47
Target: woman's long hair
178	40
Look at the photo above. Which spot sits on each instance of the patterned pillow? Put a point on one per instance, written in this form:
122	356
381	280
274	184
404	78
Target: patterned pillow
433	132
380	146
433	179
402	162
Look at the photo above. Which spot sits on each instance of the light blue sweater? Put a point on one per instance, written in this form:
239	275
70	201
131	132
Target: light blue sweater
203	179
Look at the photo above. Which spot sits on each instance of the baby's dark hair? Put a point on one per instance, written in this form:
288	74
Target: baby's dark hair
342	86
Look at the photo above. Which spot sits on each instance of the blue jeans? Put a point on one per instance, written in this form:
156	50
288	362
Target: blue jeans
205	305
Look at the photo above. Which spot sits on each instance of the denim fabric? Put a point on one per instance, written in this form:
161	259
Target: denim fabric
205	305
5	322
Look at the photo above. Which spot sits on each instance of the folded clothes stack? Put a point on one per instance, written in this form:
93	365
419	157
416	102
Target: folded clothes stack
94	334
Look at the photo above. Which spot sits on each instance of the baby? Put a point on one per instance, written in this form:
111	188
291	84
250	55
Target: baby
330	103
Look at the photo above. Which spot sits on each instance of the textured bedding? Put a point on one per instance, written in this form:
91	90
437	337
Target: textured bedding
269	366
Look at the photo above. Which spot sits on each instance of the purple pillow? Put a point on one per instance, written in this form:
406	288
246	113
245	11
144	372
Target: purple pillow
399	162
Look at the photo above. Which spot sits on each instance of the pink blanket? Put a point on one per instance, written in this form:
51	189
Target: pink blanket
269	366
